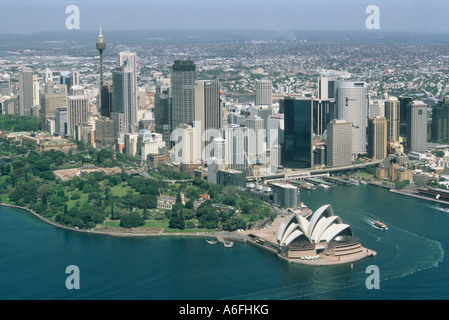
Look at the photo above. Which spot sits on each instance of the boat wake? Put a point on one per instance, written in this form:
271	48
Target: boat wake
440	209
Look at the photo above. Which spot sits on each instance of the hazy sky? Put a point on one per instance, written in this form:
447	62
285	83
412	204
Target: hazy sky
27	16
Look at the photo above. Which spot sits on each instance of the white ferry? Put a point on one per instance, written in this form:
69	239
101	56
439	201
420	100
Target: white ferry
380	225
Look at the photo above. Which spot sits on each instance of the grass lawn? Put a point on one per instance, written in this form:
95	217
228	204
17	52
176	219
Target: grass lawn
71	203
4	199
120	191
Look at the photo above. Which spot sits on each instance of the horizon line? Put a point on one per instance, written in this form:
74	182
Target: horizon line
377	32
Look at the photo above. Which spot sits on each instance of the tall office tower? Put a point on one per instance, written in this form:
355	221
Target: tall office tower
66	79
5	85
326	92
47	76
275	158
326	88
104	133
376	108
75	75
49	102
61	121
162	112
236	148
262	111
339	143
275	130
377	138
352	106
77	112
124	82
322	115
256	139
297	149
392	113
208	113
183	92
106	99
403	106
26	91
36	91
264	92
440	119
101	46
417	126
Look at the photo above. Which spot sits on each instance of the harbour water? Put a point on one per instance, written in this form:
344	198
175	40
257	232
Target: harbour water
410	257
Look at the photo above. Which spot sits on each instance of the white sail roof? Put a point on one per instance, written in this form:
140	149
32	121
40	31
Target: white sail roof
323	226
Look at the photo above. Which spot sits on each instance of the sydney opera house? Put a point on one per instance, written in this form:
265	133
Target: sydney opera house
322	239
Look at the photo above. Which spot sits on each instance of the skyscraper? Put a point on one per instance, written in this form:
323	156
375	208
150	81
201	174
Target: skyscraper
377	138
183	92
256	136
392	113
403	106
352	106
26	91
77	112
124	82
104	133
162	112
61	121
106	98
208	112
264	92
322	115
297	149
326	88
339	143
236	148
49	102
417	126
440	119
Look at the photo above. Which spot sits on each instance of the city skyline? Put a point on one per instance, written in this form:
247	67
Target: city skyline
348	15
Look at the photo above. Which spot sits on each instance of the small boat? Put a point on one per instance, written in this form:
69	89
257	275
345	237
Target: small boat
380	225
211	242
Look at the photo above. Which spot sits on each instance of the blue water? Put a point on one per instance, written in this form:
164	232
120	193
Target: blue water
411	258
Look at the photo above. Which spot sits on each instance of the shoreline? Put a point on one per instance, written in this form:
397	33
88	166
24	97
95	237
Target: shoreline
132	233
417	196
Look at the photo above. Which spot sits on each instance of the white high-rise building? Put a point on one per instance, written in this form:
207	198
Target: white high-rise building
326	88
236	148
256	135
376	108
275	130
392	113
77	112
417	126
264	92
148	143
351	102
339	143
